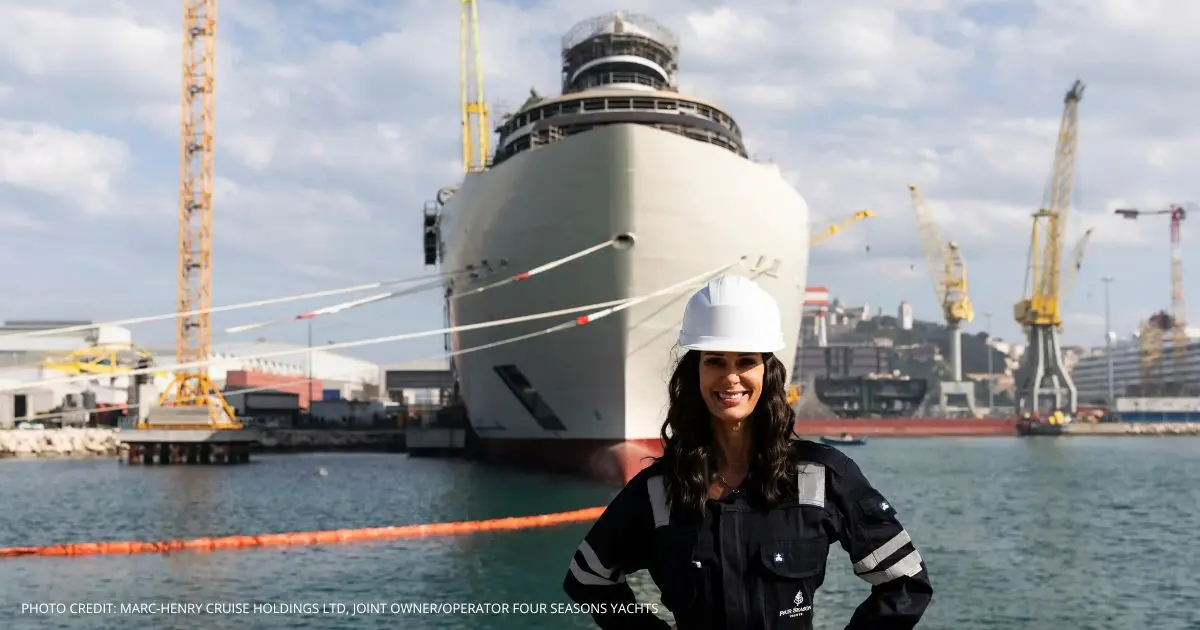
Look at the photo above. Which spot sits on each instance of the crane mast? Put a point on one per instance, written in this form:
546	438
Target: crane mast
1045	386
1173	321
191	387
474	111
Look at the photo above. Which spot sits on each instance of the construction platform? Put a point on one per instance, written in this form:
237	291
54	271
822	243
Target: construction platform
188	446
183	436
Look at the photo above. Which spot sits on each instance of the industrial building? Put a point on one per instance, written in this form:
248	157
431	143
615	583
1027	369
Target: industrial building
105	352
1090	373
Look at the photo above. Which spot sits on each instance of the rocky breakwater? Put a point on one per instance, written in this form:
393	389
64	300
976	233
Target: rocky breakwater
49	443
102	442
1133	428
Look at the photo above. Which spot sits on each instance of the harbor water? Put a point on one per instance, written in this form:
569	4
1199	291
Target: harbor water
1082	533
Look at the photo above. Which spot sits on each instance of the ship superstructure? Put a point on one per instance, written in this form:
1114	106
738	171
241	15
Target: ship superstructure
620	152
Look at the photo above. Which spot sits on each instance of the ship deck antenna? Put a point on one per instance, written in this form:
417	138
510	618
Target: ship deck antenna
475	125
192	386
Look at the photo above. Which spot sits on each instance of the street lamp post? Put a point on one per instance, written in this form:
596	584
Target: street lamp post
991	375
1108	340
309	361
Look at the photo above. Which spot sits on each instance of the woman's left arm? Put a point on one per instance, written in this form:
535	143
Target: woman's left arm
883	554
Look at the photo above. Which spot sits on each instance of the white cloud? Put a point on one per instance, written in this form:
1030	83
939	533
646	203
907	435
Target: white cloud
77	167
337	119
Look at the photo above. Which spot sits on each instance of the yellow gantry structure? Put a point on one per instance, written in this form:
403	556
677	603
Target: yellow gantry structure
100	359
1044	385
191	386
475	124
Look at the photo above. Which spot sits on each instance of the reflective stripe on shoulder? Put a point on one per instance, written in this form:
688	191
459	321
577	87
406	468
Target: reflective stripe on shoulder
810	482
659	504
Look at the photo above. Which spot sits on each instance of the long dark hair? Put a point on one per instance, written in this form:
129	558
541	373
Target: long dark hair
690	449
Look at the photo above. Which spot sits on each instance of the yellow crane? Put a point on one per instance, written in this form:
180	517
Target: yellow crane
191	386
949	273
1044	386
475	125
834	228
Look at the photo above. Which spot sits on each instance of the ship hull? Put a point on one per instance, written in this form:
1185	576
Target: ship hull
565	400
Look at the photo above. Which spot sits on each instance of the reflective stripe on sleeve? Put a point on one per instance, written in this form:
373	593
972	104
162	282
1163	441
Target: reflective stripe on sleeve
590	579
593	562
907	566
883	552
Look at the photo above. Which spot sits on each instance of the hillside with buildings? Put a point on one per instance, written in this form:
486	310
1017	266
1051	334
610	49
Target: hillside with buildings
920	349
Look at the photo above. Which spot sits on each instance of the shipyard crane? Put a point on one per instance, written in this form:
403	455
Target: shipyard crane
1173	320
828	232
834	228
475	123
191	387
949	273
1045	386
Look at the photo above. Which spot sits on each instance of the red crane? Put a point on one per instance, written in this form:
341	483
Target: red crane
1173	320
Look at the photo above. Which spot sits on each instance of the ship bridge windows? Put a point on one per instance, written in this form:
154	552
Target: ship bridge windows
629	64
529	398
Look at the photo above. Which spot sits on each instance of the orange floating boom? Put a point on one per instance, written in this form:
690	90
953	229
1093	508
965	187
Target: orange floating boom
305	538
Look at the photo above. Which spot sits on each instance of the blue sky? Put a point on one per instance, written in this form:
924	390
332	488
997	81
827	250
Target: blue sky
337	119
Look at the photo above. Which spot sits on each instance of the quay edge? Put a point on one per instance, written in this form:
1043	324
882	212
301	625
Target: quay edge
1154	429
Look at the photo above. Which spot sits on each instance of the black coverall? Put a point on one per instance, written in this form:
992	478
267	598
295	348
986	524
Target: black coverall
746	569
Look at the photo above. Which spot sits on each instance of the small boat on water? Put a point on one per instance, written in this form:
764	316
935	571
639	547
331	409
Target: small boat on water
844	439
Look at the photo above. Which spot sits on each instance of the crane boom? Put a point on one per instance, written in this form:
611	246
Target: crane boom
834	228
474	110
1044	274
191	386
947	267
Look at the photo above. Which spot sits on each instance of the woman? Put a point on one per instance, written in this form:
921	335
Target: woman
735	520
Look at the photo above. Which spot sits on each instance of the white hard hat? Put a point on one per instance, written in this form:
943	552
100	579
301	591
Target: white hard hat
732	314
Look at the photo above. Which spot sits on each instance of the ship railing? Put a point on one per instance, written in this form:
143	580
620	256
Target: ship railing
621	78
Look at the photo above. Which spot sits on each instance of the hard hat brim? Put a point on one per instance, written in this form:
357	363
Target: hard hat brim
721	344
